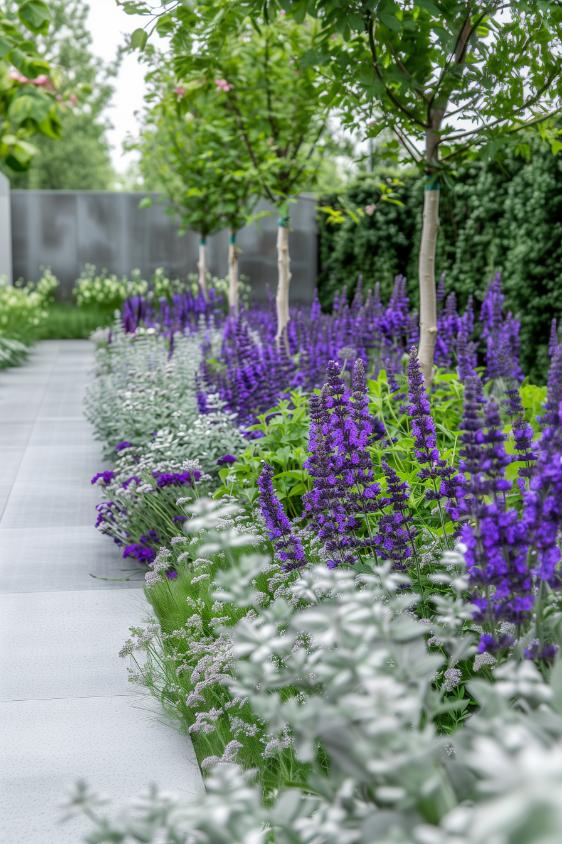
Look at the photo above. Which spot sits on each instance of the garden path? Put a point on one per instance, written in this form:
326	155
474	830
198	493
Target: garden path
67	710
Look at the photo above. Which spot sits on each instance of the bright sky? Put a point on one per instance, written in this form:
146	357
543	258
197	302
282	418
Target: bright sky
108	25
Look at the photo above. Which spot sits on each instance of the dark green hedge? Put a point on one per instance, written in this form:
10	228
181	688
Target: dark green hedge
494	216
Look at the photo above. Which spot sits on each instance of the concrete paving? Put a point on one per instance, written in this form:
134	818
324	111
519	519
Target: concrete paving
67	600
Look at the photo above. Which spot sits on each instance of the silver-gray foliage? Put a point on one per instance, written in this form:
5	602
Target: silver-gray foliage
361	713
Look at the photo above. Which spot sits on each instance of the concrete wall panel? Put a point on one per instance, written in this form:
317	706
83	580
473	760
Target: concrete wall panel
66	229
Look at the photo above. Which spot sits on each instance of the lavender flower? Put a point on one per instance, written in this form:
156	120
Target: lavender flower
226	460
105	477
423	429
396	530
542	514
501	334
288	547
124	444
186	478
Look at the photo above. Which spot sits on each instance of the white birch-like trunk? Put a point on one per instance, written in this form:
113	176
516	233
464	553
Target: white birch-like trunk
283	281
202	267
233	277
426	269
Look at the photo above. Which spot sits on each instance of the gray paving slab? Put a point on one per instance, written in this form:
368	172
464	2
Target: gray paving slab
76	656
19	410
63	558
56	432
15	433
44	504
119	744
5	490
10	461
71	464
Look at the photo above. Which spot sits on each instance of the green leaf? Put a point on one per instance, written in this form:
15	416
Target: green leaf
35	15
24	108
139	39
146	202
430	7
21	154
5	46
391	22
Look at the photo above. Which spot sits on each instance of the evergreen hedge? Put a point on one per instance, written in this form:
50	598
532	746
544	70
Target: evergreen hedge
494	216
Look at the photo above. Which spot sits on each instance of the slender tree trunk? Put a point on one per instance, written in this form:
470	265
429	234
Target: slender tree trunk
233	279
202	267
284	278
428	244
428	298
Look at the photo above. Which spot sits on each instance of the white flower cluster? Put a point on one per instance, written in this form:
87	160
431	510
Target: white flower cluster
23	306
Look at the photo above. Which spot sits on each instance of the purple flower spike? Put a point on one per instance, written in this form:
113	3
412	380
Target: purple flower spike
425	438
542	513
287	546
124	444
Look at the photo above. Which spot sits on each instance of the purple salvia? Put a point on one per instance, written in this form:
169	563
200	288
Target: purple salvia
395	539
553	340
425	438
288	546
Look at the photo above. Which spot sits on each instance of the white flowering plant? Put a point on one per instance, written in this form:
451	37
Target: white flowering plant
23	307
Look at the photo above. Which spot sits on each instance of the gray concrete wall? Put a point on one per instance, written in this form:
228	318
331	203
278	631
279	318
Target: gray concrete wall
64	230
5	229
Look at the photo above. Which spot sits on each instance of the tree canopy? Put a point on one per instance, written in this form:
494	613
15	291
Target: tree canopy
28	109
80	158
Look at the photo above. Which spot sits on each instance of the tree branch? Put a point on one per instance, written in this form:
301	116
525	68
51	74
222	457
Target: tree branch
390	94
231	100
530	102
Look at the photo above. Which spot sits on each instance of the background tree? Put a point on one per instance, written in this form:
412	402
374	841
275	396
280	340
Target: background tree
277	101
80	159
190	149
27	104
498	214
446	76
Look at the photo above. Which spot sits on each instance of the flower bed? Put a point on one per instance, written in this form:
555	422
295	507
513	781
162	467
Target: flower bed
355	583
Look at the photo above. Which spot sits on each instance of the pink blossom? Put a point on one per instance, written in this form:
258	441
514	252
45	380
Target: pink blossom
73	99
223	85
18	77
370	209
179	91
43	81
283	12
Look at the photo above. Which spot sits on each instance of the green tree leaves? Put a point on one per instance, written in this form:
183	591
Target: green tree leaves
27	104
35	15
76	155
139	39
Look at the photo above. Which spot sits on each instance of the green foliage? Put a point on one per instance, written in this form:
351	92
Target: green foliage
12	352
80	158
65	321
23	307
273	102
191	150
496	215
283	434
426	67
28	109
